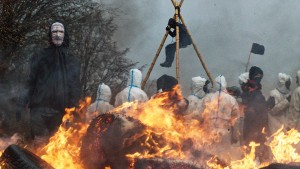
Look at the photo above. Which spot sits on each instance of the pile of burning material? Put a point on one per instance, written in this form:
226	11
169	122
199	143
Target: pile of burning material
153	135
116	140
145	131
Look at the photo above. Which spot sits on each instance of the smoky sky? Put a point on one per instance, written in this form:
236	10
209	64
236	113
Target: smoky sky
222	30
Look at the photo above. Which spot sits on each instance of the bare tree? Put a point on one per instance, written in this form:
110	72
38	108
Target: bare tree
102	61
24	22
91	26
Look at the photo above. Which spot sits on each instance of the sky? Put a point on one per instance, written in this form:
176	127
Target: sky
223	31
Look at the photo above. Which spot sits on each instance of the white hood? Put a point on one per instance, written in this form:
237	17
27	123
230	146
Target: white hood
221	82
104	92
197	86
135	78
244	77
282	79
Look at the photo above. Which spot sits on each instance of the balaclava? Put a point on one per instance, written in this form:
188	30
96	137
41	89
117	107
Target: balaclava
57	33
256	74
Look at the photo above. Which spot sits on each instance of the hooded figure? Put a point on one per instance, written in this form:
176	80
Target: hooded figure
220	114
101	105
280	103
167	85
293	114
133	91
256	117
223	112
53	83
198	93
184	41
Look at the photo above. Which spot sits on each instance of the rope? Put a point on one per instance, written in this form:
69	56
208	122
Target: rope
131	85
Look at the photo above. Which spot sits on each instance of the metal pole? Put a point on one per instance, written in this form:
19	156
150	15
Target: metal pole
197	51
248	62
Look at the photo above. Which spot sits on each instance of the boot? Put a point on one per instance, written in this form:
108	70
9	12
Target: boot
166	64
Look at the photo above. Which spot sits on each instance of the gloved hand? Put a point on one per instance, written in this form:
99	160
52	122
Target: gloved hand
205	87
289	98
271	102
234	91
168	28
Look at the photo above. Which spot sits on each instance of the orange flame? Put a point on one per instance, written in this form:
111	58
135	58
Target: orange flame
63	148
283	146
182	136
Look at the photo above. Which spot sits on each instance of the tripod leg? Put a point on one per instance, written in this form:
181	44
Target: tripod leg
154	59
197	51
180	4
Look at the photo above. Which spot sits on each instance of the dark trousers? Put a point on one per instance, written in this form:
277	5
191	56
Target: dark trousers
170	51
44	121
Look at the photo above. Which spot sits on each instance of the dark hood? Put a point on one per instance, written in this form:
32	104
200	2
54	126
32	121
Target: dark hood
166	83
256	74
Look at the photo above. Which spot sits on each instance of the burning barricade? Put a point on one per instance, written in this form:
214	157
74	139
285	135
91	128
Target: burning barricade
154	134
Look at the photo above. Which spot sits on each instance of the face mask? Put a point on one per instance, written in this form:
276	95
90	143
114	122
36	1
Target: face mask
57	33
257	78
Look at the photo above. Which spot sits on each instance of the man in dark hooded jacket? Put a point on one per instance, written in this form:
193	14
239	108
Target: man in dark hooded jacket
184	41
52	86
256	117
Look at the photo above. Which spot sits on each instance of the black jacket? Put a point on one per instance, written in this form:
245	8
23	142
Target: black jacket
184	37
256	117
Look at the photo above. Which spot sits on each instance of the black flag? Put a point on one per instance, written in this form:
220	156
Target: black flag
257	49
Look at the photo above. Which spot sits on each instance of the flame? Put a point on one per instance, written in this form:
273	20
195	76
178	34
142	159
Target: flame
283	146
158	114
170	135
183	135
249	161
63	148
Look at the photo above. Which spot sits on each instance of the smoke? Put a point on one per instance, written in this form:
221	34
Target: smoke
223	32
5	142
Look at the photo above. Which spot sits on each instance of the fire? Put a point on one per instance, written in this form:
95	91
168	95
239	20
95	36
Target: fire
160	117
184	136
169	135
249	161
63	148
283	146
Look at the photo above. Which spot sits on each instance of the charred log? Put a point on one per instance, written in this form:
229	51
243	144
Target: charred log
164	163
283	166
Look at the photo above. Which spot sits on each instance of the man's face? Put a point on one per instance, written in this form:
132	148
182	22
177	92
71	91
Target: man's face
57	33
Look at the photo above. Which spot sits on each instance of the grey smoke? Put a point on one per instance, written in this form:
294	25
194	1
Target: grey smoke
223	32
